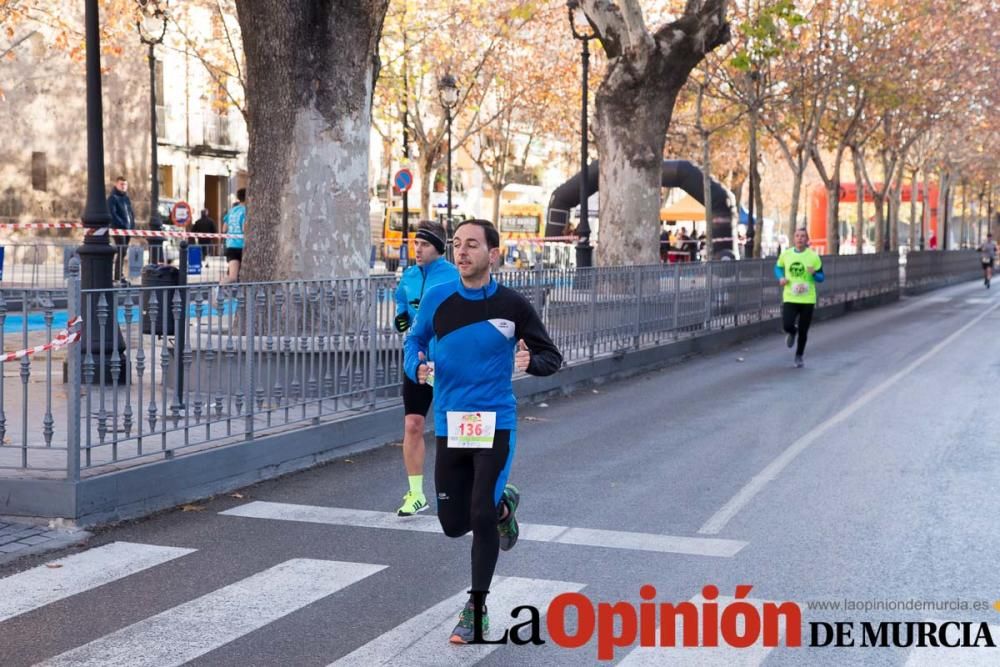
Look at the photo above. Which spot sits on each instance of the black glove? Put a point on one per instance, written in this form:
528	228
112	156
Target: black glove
402	322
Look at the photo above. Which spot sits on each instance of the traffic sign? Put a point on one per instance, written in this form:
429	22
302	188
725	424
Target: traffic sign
403	180
180	214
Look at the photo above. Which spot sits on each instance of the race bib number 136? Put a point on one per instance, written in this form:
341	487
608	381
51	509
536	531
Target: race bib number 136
471	430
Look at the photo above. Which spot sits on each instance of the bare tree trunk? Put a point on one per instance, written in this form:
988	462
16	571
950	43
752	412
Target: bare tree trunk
859	186
311	69
758	221
793	213
497	194
925	211
635	103
895	204
831	181
944	208
833	215
965	213
426	165
916	240
706	172
706	182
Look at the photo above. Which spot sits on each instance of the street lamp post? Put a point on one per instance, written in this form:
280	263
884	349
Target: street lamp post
448	92
753	76
152	26
582	31
96	253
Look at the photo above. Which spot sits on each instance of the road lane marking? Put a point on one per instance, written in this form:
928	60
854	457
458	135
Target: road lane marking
423	640
718	521
192	629
611	539
63	578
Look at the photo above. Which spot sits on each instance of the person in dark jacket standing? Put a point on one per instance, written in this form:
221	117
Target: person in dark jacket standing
205	225
122	217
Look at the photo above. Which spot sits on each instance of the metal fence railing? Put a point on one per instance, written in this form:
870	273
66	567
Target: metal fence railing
931	269
162	371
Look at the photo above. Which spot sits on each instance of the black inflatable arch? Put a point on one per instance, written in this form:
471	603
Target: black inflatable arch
676	174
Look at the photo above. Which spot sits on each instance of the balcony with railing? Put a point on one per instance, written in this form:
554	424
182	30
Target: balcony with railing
216	129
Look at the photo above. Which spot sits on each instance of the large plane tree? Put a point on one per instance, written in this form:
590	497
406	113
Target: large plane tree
635	102
311	67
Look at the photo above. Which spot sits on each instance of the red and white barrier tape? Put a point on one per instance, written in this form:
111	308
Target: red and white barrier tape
533	239
149	233
42	225
63	339
542	239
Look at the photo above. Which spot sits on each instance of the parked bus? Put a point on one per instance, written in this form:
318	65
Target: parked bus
518	223
392	235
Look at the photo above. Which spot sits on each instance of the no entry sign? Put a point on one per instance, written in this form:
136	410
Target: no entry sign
403	180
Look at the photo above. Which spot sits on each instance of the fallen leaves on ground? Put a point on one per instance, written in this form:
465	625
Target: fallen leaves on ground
192	508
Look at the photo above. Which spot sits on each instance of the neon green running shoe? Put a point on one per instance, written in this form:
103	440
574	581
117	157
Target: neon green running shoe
508	527
465	631
412	503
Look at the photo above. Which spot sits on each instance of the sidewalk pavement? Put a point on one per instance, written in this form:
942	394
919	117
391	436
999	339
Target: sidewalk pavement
23	539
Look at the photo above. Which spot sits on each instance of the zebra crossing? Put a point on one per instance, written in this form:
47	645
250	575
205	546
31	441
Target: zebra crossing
195	628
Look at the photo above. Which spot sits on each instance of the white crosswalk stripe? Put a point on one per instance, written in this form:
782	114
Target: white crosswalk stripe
611	539
194	628
716	656
45	584
423	640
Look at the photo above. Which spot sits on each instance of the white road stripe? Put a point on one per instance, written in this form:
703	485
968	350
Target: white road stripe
978	301
194	628
45	584
612	539
718	521
423	640
982	656
716	656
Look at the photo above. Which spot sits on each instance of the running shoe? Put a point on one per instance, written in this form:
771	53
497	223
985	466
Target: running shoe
790	339
412	503
465	631
798	361
508	526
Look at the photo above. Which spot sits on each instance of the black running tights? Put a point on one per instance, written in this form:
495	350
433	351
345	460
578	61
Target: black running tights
804	313
468	484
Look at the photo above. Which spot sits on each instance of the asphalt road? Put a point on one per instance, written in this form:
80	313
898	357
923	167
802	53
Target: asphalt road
868	476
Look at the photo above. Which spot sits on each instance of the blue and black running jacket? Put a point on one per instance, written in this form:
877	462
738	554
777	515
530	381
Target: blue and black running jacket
476	333
418	280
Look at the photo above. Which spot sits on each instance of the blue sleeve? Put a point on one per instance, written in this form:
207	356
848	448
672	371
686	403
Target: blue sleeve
418	339
818	276
779	272
400	297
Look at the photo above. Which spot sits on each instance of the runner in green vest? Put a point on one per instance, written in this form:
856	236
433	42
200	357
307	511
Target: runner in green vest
798	270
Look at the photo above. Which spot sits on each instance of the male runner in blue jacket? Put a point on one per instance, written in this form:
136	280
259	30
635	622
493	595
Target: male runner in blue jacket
477	326
431	269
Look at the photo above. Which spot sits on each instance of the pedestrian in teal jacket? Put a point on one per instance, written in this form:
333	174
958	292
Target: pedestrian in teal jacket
430	270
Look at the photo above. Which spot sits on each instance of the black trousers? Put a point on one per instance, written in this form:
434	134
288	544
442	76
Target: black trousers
469	483
804	313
